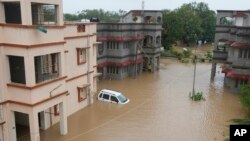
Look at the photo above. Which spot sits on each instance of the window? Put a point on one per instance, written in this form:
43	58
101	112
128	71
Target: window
81	56
105	96
12	12
17	69
114	99
44	13
80	28
100	95
82	93
244	53
112	70
47	67
56	110
49	64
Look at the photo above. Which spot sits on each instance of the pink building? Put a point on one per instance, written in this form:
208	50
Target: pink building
47	67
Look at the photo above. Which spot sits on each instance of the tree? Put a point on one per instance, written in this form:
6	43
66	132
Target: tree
208	21
172	29
190	22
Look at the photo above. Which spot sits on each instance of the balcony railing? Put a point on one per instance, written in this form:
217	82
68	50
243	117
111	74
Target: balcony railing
219	55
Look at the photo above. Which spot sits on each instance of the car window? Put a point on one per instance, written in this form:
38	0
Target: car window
114	99
100	95
105	96
122	98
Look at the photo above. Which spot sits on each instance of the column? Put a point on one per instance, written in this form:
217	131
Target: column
158	63
29	70
13	126
26	13
2	16
63	119
44	117
34	126
213	71
152	61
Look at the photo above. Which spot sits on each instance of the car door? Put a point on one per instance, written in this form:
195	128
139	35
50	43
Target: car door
114	99
106	97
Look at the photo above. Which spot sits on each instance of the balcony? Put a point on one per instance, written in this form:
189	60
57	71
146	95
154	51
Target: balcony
241	63
223	29
127	27
243	31
219	55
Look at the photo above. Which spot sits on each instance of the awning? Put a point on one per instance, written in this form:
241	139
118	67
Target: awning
97	74
234	75
240	44
83	85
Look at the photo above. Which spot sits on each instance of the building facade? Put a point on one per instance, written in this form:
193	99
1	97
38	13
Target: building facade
131	45
232	47
48	67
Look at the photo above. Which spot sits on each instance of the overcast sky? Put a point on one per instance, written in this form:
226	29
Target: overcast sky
72	6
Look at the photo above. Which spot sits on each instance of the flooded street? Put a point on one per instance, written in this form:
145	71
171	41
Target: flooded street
159	109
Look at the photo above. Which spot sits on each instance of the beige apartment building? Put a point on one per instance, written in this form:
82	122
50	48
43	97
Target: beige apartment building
47	67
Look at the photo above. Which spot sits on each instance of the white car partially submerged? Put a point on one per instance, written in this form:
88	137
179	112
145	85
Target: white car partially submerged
112	96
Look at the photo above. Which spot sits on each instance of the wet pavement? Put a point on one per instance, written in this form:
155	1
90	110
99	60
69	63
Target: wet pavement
159	109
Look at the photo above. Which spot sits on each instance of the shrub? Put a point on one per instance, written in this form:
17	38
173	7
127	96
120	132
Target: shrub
197	96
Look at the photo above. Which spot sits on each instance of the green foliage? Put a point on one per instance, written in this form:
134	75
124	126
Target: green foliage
187	53
245	97
185	60
189	23
197	96
104	16
241	121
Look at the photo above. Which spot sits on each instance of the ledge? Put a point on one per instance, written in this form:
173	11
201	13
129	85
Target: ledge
37	103
78	36
76	77
33	45
31	26
22	86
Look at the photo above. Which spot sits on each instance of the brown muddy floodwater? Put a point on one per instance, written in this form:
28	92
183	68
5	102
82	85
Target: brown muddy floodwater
159	109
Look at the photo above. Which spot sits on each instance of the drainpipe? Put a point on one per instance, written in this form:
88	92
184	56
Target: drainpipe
90	101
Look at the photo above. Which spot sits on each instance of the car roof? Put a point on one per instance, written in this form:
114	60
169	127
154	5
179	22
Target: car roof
110	91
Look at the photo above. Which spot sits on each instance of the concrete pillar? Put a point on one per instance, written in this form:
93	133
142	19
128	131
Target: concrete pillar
2	13
153	64
59	12
213	71
29	70
34	126
63	118
158	63
26	13
44	117
13	126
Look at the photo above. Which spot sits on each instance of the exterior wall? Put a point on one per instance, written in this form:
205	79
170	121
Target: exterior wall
126	33
236	38
32	98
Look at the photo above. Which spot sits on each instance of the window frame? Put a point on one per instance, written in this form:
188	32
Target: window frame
79	51
80	99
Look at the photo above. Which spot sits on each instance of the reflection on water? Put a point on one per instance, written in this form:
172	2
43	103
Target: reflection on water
159	109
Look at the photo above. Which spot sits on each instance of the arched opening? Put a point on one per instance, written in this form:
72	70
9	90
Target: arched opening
148	19
159	19
158	40
227	21
222	44
148	41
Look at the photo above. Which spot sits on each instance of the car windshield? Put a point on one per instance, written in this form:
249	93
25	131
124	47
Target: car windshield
122	98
